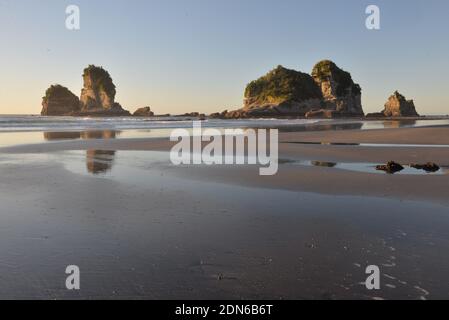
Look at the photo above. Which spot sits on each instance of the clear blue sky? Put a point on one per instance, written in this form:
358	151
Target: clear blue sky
198	55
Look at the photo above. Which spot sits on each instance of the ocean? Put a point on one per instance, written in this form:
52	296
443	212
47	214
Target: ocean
43	123
12	123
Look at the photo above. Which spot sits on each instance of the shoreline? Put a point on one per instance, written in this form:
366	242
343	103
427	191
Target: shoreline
187	115
294	175
58	124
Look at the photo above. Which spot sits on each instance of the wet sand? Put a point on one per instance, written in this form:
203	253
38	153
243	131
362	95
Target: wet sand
140	228
311	179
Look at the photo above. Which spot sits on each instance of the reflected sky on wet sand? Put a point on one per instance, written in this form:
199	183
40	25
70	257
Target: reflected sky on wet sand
138	231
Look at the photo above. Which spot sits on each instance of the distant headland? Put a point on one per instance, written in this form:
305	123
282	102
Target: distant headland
328	92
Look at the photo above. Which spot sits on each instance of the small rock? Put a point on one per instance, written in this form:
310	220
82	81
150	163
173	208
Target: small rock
143	112
390	167
398	106
428	167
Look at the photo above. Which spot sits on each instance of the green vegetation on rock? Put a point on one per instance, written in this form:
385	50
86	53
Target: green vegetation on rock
57	91
101	79
282	84
326	70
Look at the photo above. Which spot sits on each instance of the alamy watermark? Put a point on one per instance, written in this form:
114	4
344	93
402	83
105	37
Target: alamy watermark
234	146
72	282
73	19
373	280
373	20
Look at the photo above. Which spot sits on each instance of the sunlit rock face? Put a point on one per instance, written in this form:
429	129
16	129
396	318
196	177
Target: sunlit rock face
340	92
398	106
59	101
98	93
97	97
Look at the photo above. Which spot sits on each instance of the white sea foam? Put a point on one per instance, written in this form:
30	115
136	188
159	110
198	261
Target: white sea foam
41	123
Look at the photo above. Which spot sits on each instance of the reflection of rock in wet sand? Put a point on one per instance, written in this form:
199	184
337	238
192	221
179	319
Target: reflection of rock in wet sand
323	127
324	164
97	134
100	134
99	161
394	124
61	135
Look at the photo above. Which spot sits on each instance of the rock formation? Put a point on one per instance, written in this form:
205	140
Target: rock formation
281	92
329	92
193	115
428	167
391	167
144	112
98	94
59	101
398	106
97	97
340	94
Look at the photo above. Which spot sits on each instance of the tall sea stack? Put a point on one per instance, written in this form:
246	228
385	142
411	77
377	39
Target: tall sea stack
340	93
98	93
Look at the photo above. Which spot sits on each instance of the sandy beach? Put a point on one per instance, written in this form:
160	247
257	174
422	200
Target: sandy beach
142	228
194	154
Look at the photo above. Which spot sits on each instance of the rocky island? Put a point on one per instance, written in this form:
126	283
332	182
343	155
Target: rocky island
328	92
397	106
341	96
97	97
59	100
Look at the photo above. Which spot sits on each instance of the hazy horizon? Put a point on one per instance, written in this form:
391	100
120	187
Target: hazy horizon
198	55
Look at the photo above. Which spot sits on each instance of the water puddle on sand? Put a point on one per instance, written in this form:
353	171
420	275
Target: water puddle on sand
101	161
365	167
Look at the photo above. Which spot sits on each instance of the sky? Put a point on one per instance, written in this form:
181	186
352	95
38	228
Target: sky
180	56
